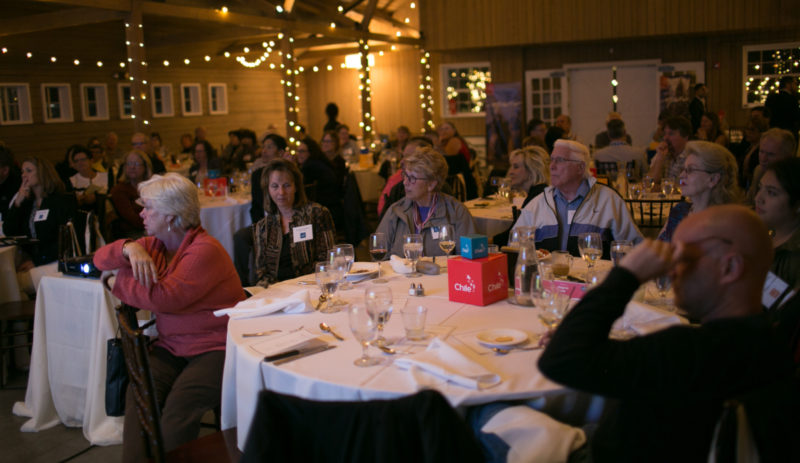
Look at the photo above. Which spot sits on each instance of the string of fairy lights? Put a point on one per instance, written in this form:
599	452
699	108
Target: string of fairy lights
250	58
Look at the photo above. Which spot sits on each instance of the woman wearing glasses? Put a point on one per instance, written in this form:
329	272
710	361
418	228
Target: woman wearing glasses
425	208
137	169
709	177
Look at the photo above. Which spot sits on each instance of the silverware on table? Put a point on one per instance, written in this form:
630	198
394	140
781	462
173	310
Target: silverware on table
324	327
260	333
294	354
500	351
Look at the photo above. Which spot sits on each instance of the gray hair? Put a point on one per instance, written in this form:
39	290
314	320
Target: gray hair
716	159
576	151
173	194
785	141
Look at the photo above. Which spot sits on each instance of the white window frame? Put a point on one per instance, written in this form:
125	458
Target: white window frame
121	100
222	105
745	73
101	96
168	108
64	101
194	100
444	72
23	106
529	92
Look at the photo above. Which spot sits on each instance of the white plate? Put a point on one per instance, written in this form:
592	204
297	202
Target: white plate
501	337
362	274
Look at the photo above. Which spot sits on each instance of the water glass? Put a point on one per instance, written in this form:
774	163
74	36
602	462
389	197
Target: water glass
344	250
560	263
619	249
413	249
327	275
363	326
339	263
378	300
414	321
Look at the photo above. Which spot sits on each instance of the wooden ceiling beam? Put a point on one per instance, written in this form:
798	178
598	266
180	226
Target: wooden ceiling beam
56	20
369	11
237	19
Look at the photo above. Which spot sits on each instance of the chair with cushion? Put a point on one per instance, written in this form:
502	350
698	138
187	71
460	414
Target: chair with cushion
217	447
417	428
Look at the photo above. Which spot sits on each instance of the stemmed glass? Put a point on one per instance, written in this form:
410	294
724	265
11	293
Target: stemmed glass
363	326
663	284
447	239
339	263
590	246
554	308
504	190
378	250
379	304
349	254
618	250
412	248
328	275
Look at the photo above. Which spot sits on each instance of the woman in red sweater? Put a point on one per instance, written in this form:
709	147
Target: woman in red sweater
182	274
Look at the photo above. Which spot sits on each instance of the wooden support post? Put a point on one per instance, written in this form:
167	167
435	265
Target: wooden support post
367	119
289	83
137	67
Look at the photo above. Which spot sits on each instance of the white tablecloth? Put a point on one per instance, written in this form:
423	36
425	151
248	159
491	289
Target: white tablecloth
331	375
74	319
492	219
222	217
370	184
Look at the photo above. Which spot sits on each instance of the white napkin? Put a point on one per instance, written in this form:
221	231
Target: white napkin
270	301
533	436
442	360
645	319
399	264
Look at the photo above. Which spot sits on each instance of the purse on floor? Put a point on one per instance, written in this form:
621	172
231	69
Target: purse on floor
116	378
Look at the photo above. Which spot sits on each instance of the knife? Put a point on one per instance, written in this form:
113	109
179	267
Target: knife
303	353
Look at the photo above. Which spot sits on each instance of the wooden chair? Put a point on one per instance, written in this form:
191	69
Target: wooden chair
217	447
10	312
459	186
650	215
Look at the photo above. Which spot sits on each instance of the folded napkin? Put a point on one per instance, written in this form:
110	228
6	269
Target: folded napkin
645	319
533	436
400	265
442	360
270	301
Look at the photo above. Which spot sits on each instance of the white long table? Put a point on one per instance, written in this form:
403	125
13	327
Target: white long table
74	319
331	375
491	216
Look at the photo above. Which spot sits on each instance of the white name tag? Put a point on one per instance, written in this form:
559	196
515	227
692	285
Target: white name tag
304	233
570	216
774	287
41	215
435	232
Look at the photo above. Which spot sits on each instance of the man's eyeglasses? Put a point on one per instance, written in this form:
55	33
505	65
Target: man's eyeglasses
557	161
691	169
134	164
412	179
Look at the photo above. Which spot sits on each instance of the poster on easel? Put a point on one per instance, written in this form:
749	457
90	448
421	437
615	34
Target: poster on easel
503	122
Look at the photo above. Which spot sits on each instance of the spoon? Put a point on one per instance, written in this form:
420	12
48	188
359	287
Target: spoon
321	301
260	333
324	327
500	351
384	348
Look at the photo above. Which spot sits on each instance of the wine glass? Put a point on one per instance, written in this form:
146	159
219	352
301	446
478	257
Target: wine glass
495	182
554	308
363	326
379	304
590	246
412	248
504	190
447	239
618	250
349	254
378	250
339	263
328	276
663	284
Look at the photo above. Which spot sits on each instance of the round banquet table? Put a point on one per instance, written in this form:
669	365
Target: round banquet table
222	217
331	375
370	184
491	216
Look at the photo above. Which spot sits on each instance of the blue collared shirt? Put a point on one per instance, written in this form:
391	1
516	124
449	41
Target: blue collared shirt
563	207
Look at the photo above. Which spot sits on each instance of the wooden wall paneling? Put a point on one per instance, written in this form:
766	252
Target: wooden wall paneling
339	86
395	91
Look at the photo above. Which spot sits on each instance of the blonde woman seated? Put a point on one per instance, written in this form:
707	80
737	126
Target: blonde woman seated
424	209
709	177
182	274
295	233
529	171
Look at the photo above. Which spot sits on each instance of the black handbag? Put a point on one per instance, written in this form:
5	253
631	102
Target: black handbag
116	378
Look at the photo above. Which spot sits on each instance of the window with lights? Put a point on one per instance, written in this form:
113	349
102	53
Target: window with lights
465	88
764	65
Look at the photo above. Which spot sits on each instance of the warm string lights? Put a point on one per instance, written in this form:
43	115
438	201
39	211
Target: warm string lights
614	83
290	88
137	65
765	69
425	93
367	123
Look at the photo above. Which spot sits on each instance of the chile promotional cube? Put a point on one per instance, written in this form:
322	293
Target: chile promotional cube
474	246
215	186
477	281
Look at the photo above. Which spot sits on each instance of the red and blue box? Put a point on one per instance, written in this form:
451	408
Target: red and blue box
478	281
474	246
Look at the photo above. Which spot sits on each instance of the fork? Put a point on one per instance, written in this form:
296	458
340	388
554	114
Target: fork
260	333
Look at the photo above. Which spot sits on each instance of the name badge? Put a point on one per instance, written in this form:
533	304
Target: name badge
41	215
774	288
435	232
570	216
304	233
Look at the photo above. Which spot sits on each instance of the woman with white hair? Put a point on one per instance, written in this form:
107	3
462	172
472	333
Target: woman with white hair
528	171
710	176
182	274
424	209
